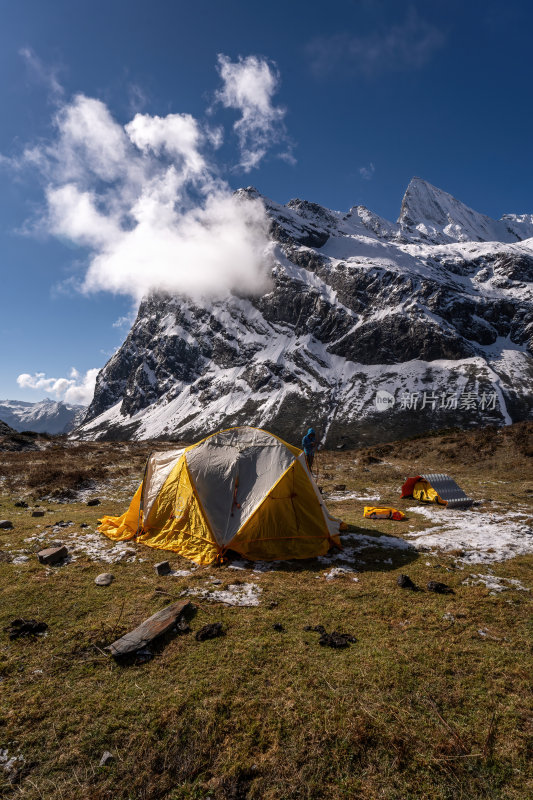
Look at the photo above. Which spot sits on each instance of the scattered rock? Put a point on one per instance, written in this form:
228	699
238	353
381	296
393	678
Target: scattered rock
217	582
210	631
278	626
273	604
5	557
84	524
25	627
106	759
104	579
405	582
93	502
182	626
6	524
52	555
21	504
37	513
339	487
448	617
143	655
439	588
163	568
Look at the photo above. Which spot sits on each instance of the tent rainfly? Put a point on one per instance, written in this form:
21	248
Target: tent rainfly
241	489
436	488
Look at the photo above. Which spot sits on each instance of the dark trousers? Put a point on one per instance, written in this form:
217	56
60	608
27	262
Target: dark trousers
309	457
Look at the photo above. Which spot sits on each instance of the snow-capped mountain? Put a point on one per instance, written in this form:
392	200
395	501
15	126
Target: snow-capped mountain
46	416
371	330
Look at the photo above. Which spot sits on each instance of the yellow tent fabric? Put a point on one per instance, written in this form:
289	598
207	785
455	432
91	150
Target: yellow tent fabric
242	489
423	491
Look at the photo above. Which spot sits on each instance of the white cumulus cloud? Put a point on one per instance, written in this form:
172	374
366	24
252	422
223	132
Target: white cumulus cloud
77	389
249	85
146	198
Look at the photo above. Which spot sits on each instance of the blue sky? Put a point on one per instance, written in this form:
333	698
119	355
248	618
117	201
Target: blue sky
363	96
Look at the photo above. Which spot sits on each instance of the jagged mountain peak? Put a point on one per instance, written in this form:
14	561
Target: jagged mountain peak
432	215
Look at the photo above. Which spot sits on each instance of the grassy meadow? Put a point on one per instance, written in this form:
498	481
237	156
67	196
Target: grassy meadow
432	701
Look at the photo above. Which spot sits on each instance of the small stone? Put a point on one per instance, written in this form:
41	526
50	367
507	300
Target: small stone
210	631
21	504
217	582
104	579
163	568
37	513
93	502
6	524
84	524
339	487
52	555
405	582
278	626
182	626
106	759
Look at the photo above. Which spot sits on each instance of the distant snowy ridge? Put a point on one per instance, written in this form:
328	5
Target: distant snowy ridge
45	416
371	330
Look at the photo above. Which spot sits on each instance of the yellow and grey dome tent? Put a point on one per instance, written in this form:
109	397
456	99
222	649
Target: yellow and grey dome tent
241	489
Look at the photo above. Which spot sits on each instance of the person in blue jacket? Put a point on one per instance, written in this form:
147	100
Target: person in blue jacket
309	445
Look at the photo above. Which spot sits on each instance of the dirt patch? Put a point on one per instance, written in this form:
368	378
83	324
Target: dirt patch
25	627
334	639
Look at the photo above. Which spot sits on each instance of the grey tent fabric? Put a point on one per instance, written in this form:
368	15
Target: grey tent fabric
233	471
448	490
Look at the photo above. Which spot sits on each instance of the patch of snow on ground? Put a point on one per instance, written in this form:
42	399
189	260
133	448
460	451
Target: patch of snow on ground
339	572
341	497
481	537
494	584
238	565
92	544
236	594
353	543
9	764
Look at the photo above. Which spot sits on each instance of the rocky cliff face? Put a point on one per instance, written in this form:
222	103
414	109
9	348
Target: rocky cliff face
371	330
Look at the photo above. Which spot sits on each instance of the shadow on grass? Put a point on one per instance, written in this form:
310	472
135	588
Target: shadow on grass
363	550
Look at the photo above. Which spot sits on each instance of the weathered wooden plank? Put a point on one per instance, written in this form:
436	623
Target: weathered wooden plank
148	630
